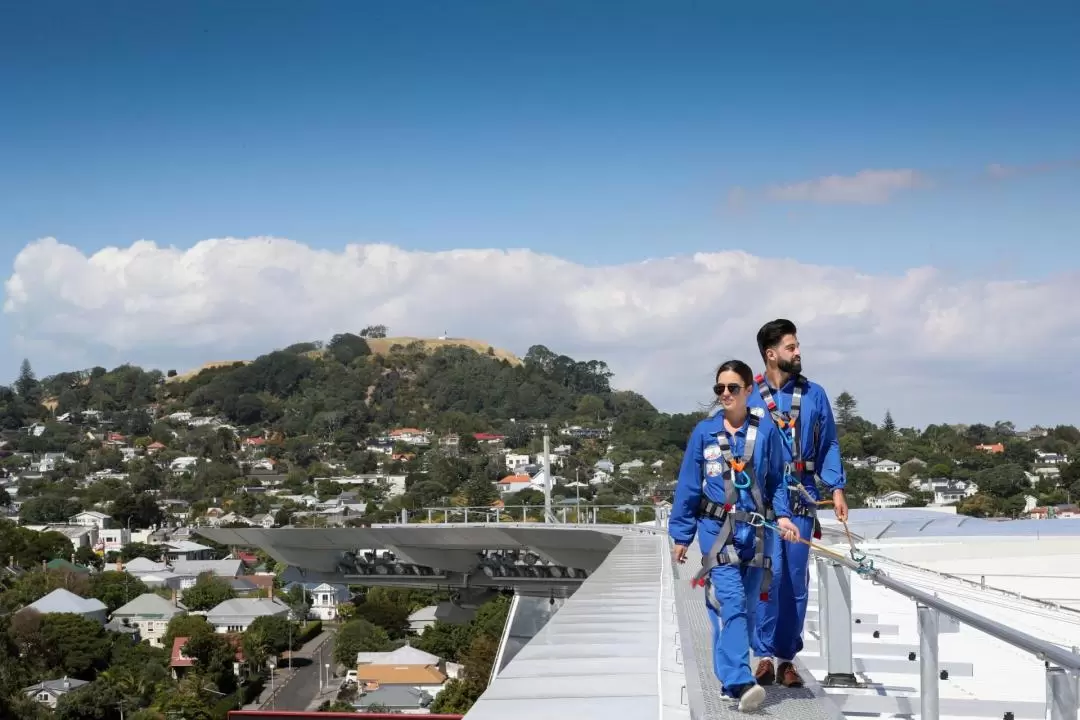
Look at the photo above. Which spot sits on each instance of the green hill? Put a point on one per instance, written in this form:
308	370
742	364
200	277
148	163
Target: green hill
317	405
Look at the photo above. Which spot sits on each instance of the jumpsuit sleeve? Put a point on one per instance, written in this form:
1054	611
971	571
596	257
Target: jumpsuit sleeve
831	466
682	525
775	487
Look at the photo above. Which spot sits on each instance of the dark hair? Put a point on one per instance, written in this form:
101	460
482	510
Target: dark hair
771	333
739	368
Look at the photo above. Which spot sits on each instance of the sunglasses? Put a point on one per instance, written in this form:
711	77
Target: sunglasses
733	388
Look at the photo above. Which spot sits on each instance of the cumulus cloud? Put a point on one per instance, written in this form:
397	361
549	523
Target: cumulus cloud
925	345
866	187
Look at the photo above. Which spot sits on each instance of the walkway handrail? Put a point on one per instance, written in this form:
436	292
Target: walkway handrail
1042	649
980	585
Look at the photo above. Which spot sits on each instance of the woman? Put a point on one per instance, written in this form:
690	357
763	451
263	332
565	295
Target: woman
732	477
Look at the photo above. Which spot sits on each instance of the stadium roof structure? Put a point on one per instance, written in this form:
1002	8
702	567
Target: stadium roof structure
959	618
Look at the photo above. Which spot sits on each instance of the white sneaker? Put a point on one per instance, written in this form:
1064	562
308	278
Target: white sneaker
751	699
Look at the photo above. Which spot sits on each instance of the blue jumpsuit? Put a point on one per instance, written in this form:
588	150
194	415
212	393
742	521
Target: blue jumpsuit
780	618
735	587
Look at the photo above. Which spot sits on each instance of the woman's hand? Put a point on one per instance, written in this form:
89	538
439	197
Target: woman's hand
788	530
680	554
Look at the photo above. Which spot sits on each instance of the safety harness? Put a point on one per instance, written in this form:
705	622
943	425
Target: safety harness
740	477
802	502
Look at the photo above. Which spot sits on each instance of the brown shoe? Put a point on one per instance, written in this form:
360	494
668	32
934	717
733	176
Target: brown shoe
789	676
765	674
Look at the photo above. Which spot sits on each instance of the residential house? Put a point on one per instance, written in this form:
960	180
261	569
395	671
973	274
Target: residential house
627	467
945	490
252	585
892	499
325	599
151	614
446	612
112	540
1064	510
993	449
489	438
422	619
515	461
186	550
183	464
1050	458
65	601
80	536
179	662
234	616
888	467
394	699
49	692
517	483
605	466
409	436
405	667
51	461
91	518
394	484
190	570
66	566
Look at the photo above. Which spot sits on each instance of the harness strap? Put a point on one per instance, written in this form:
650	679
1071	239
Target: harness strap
802	502
741	477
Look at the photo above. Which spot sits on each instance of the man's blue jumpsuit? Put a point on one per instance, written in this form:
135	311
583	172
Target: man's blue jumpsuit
780	618
736	587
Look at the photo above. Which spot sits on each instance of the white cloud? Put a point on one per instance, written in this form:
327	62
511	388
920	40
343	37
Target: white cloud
866	187
928	347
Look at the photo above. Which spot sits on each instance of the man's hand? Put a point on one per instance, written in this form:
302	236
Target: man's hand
680	554
788	530
839	504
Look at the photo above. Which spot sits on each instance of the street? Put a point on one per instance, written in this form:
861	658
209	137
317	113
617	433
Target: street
302	689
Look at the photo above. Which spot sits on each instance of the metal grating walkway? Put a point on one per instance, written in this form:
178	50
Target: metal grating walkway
703	689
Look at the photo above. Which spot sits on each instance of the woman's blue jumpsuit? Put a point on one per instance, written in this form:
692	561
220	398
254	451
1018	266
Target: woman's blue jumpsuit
735	587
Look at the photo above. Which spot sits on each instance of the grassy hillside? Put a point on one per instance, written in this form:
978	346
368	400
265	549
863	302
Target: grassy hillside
378	346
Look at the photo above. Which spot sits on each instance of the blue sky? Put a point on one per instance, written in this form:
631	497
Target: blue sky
600	132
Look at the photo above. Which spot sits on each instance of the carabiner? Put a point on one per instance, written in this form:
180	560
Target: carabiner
746	480
756	519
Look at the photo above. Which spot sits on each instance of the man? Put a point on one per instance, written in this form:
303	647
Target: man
802	411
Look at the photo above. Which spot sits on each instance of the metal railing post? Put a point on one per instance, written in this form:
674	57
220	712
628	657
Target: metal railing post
1061	694
928	662
823	602
838	626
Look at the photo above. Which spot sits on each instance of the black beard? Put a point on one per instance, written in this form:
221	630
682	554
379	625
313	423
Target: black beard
791	367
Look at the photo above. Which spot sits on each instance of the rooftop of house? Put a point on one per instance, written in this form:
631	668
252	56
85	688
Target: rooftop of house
400	674
56	687
65	601
406	655
149	605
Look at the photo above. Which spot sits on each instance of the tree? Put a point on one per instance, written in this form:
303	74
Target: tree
27	384
443	639
357	636
480	492
888	424
137	511
184	626
391	618
374	331
208	592
846	407
116	589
